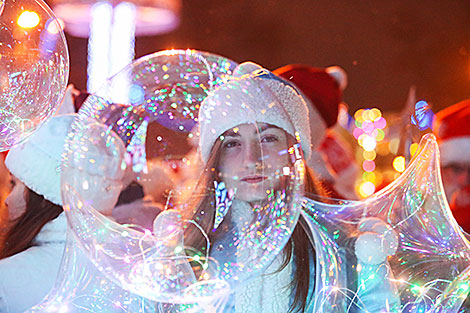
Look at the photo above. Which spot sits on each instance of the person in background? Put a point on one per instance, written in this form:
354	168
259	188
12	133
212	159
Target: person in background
332	159
135	206
35	242
34	245
452	128
6	182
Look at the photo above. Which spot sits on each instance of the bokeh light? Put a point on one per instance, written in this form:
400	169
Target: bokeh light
28	19
368	165
369	133
399	163
423	115
413	148
367	188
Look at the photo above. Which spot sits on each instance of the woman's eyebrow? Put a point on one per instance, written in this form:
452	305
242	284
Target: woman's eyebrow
262	128
231	133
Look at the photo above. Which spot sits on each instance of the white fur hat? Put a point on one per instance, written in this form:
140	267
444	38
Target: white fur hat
37	161
253	94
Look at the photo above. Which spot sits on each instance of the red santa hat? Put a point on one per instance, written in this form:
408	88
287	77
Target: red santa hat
322	89
452	128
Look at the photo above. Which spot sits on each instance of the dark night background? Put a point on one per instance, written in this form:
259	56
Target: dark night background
384	46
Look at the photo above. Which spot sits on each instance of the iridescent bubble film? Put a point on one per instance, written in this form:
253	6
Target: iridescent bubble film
80	287
400	250
233	183
169	85
228	195
35	68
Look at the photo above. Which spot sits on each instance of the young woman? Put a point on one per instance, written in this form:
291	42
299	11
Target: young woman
34	244
246	128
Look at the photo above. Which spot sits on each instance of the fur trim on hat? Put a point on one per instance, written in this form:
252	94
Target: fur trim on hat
455	150
256	97
37	161
339	75
452	128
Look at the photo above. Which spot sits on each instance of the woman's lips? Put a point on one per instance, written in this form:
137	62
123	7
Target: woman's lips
253	179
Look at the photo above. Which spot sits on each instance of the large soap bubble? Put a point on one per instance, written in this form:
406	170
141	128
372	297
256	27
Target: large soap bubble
227	216
35	68
398	251
81	287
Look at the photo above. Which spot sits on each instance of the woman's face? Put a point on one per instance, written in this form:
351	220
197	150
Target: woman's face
16	200
252	159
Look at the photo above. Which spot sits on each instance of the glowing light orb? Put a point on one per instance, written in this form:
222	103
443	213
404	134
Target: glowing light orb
28	19
399	163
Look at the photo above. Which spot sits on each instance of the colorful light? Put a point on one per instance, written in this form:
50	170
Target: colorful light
380	123
399	164
369	155
366	189
369	134
393	145
54	27
369	176
122	47
369	143
374	114
423	115
368	166
98	45
28	19
358	115
413	148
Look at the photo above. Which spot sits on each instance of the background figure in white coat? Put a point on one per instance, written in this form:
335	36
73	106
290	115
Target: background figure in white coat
34	244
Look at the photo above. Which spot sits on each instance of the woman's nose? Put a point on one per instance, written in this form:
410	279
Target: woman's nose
252	155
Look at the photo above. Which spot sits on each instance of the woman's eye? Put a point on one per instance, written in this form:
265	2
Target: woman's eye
231	144
270	138
12	184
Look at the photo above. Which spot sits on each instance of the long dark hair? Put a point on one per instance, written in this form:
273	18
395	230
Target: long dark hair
298	247
39	212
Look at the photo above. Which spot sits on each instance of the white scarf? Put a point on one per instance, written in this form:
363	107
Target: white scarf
269	292
54	232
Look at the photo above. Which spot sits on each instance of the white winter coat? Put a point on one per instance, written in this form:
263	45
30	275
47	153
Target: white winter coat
27	277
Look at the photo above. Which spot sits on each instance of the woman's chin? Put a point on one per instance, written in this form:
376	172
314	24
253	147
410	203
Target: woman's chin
253	196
